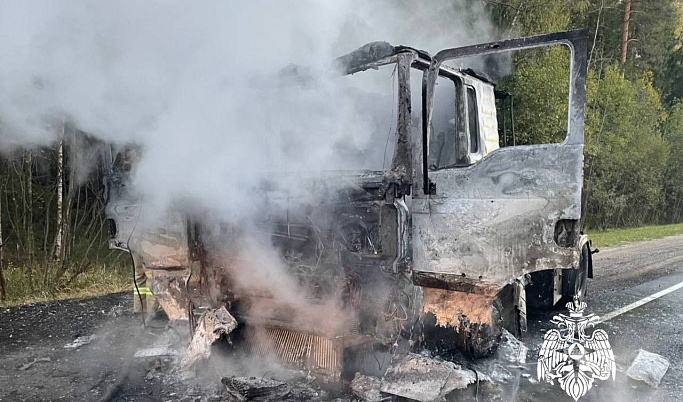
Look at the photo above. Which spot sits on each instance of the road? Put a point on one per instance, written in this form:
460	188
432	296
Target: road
623	275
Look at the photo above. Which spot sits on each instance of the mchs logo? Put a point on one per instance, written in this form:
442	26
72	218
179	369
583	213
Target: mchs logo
572	357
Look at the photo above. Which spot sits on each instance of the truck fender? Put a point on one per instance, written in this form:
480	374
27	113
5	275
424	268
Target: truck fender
585	241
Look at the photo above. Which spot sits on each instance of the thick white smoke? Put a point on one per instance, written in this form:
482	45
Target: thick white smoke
198	86
194	83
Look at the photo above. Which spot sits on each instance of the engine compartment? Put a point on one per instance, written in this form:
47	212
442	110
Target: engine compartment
312	278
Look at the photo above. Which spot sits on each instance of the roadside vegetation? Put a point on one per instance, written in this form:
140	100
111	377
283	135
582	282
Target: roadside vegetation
616	237
100	280
53	232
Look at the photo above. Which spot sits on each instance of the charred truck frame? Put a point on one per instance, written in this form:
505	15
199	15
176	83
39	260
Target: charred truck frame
435	251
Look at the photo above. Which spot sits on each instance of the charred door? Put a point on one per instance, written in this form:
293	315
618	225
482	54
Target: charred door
513	211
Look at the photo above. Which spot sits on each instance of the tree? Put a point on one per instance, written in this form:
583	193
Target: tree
58	253
540	86
670	79
625	153
534	17
624	31
673	176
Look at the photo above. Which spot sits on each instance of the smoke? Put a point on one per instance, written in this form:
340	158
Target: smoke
207	91
197	86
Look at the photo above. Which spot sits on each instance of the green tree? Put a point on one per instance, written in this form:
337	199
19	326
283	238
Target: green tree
673	176
534	17
653	35
540	86
625	153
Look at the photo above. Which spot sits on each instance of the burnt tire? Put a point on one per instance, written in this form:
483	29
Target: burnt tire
575	281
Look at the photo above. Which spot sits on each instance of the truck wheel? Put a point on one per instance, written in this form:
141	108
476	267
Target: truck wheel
574	281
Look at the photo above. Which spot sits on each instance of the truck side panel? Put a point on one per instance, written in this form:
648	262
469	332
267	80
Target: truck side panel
496	220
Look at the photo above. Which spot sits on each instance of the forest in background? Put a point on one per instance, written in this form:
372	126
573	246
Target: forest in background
53	231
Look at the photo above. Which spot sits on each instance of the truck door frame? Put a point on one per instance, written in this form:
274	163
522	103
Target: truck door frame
495	220
576	40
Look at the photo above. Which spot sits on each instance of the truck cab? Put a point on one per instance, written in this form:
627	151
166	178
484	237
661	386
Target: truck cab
437	249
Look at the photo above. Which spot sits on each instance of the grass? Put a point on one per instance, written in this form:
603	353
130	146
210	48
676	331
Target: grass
97	281
616	237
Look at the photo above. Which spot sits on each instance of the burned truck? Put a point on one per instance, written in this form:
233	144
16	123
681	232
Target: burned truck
442	249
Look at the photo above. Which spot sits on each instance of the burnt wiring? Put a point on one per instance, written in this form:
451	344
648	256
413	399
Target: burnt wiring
319	246
198	254
135	282
476	379
137	290
396	308
355	291
190	307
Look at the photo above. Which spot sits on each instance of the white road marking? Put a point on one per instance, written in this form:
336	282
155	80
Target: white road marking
640	302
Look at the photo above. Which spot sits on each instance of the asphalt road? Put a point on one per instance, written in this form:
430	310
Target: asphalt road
626	275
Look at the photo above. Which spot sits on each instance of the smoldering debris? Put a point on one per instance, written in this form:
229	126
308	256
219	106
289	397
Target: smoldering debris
212	325
155	351
80	341
242	388
36	360
511	349
367	388
238	389
507	363
648	367
410	375
416	376
427	379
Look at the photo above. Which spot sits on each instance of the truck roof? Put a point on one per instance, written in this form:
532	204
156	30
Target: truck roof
375	54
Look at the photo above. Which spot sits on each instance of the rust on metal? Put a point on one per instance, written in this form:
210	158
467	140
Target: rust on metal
461	321
171	293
